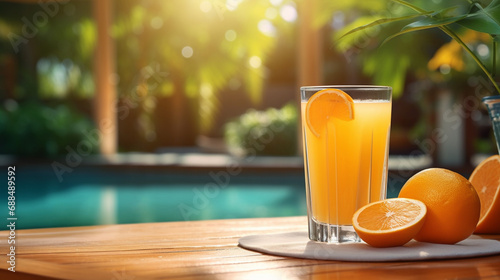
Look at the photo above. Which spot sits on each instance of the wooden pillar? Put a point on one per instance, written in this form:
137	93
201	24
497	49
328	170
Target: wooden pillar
104	69
310	57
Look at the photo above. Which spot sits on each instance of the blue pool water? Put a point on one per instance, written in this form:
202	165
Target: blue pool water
90	196
104	195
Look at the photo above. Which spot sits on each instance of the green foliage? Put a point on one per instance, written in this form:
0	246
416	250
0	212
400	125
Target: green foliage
41	131
327	7
58	79
383	64
444	15
270	132
222	38
485	20
361	36
52	50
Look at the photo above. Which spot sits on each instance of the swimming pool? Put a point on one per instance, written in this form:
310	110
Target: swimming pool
108	195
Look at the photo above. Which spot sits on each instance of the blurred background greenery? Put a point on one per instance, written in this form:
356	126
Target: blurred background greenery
189	71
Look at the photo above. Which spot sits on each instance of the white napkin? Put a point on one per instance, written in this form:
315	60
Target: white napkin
297	244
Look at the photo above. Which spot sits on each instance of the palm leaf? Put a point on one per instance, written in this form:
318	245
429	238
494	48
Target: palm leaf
434	20
379	22
485	20
411	6
481	65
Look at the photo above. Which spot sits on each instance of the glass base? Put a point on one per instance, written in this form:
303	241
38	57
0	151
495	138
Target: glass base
323	232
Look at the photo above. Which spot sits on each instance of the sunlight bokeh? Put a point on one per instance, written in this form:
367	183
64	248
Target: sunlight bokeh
184	69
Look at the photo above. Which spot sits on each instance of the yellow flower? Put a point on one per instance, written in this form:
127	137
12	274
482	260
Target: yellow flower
451	54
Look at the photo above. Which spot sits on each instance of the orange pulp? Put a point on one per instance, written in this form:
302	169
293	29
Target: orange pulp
346	162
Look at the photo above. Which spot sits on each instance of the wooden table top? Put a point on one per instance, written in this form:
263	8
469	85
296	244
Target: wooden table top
200	250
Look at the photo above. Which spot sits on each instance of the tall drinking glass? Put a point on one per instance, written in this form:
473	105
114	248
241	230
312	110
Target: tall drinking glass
493	105
345	156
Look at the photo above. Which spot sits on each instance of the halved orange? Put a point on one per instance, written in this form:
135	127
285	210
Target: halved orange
391	222
325	104
486	180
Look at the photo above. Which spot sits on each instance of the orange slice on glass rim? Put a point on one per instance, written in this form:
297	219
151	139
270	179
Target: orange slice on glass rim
391	222
326	104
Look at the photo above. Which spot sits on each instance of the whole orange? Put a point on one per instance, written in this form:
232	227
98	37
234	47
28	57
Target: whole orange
453	205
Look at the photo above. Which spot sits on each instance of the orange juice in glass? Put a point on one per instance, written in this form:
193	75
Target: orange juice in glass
346	146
